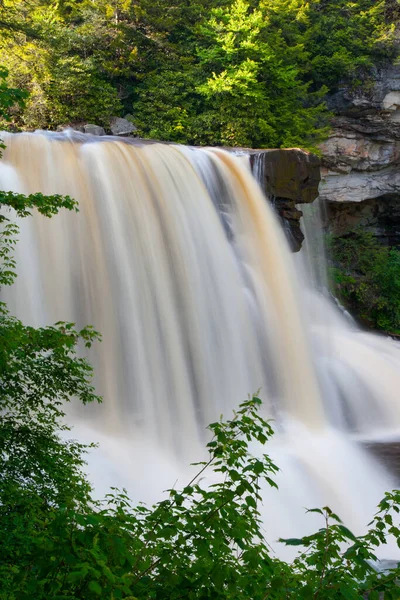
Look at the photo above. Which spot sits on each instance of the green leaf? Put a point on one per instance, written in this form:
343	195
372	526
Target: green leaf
95	587
293	542
251	502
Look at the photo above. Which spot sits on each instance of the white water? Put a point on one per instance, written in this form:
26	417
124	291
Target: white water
179	261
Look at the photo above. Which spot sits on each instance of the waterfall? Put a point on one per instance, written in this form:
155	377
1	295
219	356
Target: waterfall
181	264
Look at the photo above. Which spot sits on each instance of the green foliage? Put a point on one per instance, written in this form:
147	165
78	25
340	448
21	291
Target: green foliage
75	88
39	372
366	278
9	97
54	62
347	38
203	541
222	72
167	106
336	564
254	91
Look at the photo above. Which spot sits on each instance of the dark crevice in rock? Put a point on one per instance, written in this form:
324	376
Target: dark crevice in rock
380	216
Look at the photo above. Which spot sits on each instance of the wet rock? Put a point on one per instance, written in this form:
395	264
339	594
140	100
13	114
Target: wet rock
388	452
123	127
80	127
93	129
289	177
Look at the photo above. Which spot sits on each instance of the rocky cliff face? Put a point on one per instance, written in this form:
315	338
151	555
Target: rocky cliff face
361	158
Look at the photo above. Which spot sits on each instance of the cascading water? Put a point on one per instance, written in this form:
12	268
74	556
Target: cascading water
179	261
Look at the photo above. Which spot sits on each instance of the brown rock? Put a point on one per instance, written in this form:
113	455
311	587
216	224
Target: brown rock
288	177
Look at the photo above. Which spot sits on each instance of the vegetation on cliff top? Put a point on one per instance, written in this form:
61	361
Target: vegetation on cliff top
235	72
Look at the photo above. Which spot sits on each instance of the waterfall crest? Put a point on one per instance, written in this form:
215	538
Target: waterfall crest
181	264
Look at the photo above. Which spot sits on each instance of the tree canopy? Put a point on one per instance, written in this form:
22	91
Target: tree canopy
226	72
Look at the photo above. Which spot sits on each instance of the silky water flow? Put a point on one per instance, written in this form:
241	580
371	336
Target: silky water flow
178	260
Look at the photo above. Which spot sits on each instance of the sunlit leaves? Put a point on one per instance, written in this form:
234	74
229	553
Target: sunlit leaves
214	72
9	97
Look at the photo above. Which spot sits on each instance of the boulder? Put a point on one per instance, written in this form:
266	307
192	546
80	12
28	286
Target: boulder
288	173
72	127
93	129
123	127
289	177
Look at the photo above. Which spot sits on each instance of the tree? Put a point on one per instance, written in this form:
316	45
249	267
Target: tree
54	60
346	39
254	89
9	97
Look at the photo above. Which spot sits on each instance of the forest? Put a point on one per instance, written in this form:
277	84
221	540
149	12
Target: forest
250	73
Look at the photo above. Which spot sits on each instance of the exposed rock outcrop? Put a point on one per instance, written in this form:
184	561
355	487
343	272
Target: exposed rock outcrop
289	177
93	129
380	216
361	158
123	127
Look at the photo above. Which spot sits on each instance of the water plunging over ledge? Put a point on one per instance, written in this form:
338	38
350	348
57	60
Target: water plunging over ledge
179	261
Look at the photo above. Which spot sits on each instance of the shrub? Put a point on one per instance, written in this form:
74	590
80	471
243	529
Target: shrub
366	278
